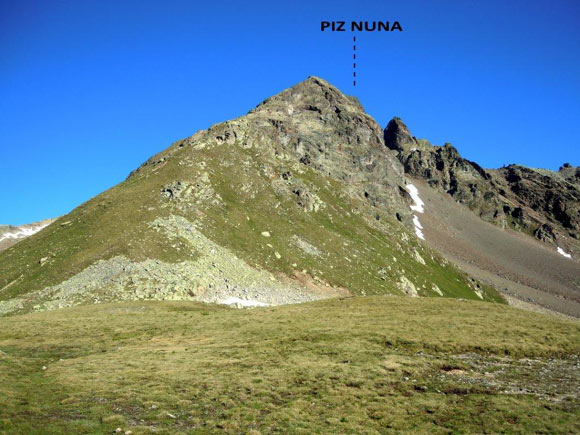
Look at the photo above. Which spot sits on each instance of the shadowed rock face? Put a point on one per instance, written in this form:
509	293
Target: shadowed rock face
542	203
555	195
398	137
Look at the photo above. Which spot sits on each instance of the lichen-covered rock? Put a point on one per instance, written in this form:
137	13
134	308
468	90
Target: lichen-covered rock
407	287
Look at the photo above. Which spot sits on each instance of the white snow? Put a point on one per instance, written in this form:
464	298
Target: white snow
564	253
417	223
418	228
243	302
418	206
23	232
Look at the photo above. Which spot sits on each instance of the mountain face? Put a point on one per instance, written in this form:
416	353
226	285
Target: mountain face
544	204
12	234
300	199
315	126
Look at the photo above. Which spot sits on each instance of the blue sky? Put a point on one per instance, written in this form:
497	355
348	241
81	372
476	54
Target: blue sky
89	90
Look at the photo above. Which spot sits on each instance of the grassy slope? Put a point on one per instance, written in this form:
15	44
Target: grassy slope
354	365
115	223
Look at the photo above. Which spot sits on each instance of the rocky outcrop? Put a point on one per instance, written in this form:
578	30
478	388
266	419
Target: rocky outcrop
324	130
542	203
552	194
442	167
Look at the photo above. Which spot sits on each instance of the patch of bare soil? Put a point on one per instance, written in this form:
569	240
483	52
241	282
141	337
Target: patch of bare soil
319	287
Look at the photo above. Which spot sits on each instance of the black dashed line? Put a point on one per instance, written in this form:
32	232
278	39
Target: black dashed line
354	58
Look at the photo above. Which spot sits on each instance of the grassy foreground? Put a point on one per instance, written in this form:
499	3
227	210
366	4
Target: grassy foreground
365	365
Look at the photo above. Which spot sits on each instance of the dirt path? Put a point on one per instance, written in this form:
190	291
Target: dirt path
512	262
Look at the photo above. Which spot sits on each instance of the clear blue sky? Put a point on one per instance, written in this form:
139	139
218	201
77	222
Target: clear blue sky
91	89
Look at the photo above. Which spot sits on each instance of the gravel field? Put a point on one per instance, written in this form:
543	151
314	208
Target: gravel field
512	262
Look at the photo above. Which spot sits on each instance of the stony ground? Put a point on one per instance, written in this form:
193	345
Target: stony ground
512	262
214	275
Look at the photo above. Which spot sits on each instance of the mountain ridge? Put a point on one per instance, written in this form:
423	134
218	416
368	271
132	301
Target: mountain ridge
304	197
297	200
542	203
12	234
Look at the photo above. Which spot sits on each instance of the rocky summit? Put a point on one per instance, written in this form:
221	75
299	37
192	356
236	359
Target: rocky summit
298	200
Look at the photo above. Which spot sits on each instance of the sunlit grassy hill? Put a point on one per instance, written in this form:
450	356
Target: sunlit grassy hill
297	200
355	365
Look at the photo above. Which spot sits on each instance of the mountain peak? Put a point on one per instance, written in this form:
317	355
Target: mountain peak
397	135
321	127
314	124
313	94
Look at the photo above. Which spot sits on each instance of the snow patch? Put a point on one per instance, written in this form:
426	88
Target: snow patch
242	302
414	192
23	232
418	228
418	207
564	253
417	222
